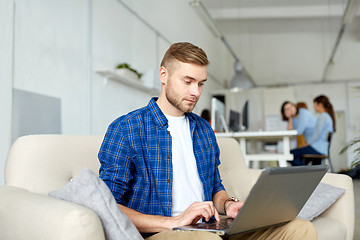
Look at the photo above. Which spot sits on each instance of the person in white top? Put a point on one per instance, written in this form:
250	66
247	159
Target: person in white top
183	73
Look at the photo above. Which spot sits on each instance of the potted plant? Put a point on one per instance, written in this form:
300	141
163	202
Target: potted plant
354	172
353	143
125	70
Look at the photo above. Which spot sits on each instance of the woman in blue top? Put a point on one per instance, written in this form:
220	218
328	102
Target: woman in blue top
300	119
325	123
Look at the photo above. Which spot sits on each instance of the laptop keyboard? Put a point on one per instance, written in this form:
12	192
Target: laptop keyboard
222	224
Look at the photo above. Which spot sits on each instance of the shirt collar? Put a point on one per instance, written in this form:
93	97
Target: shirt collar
156	113
159	116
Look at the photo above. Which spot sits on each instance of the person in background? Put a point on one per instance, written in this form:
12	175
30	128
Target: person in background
301	105
300	139
325	123
205	114
300	119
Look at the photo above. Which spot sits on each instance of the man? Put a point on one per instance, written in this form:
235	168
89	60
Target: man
161	161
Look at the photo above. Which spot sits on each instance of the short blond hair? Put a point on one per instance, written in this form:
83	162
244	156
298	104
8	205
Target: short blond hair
184	52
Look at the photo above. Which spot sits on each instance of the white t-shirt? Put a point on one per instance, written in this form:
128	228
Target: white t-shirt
186	187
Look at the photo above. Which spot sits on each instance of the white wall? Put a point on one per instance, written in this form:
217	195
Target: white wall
6	50
134	42
50	55
273	98
59	46
116	38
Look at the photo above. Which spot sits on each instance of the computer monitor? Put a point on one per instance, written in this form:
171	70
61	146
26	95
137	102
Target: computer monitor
245	116
234	121
217	115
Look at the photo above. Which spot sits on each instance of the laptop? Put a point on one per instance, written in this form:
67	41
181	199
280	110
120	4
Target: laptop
276	198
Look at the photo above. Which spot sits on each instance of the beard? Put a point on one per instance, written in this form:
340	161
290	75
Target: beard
180	103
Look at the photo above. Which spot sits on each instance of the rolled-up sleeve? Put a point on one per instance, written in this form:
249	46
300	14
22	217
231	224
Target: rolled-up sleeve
116	163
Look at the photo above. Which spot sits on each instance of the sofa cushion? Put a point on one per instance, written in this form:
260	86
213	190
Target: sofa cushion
88	190
321	199
329	228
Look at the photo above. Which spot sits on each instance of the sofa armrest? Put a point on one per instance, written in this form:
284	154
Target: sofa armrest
26	215
344	208
241	185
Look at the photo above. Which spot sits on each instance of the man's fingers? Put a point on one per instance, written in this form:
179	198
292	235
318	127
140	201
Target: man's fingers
206	213
216	215
198	210
204	209
211	211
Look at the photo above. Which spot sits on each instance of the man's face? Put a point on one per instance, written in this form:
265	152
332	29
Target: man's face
183	86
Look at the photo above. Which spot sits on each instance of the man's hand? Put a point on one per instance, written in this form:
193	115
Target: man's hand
195	212
232	208
154	223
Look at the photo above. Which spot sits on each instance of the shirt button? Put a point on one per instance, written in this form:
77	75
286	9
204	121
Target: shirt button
168	132
169	156
169	181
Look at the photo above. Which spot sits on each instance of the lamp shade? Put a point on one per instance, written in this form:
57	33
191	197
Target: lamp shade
240	79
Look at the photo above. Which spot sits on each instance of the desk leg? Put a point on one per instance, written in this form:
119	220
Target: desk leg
255	165
286	151
286	145
254	150
282	162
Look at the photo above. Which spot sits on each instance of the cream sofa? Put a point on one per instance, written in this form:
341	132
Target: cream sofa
38	164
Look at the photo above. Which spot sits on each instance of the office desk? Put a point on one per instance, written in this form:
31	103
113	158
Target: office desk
263	136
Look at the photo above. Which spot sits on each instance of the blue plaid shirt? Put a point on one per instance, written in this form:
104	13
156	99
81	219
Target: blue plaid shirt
136	160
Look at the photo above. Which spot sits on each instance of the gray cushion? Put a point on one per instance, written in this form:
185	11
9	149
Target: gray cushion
320	200
88	190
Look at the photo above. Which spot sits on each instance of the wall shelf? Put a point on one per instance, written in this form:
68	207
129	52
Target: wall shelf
112	75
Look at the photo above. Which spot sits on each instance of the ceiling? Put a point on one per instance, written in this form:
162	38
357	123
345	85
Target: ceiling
284	42
240	9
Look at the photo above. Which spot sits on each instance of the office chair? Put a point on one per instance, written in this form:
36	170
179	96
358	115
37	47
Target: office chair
317	159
